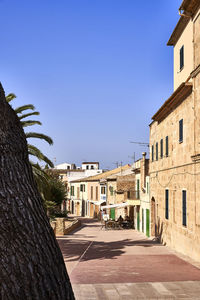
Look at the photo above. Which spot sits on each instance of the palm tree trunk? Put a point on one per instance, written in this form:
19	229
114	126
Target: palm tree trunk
31	263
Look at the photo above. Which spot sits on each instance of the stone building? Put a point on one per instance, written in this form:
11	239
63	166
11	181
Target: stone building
88	202
142	194
175	143
119	188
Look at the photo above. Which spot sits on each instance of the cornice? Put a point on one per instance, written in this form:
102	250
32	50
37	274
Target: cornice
180	94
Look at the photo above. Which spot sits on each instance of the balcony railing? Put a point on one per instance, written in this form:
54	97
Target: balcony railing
133	195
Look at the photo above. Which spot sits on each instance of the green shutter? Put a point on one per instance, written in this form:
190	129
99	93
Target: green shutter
147	223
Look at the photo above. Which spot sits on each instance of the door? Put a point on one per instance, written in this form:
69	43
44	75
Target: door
83	208
147	223
138	219
142	220
72	207
153	217
112	213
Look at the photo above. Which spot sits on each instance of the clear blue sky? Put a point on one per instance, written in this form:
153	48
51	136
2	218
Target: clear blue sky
97	70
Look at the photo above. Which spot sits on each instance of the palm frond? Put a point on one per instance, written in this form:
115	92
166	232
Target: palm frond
32	150
40	136
30	123
20	109
35	113
10	97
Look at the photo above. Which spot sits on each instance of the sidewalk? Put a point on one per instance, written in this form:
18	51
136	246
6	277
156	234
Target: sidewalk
124	264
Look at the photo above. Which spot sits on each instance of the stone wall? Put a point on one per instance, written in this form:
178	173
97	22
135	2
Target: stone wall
63	226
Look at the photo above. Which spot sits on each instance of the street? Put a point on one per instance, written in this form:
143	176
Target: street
124	264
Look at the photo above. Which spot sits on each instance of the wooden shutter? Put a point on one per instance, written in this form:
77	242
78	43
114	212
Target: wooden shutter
156	151
184	208
96	192
181	130
152	153
167	204
161	148
91	192
181	57
167	146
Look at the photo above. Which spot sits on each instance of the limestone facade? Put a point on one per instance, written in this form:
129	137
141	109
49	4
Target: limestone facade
175	150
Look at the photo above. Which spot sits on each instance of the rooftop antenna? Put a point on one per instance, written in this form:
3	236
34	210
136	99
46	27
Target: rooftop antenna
140	143
116	163
132	157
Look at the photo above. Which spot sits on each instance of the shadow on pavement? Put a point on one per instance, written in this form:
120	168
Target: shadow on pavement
72	249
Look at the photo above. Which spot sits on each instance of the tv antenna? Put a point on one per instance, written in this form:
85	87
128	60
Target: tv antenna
140	143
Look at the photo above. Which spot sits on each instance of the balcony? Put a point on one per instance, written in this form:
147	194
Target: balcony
133	195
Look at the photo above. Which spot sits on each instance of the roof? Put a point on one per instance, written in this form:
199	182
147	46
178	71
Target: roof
65	171
94	162
189	8
180	94
103	175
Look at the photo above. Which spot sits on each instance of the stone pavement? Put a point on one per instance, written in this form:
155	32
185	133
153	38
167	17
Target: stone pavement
124	264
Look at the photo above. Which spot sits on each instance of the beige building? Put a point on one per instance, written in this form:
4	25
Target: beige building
88	203
142	194
120	187
175	143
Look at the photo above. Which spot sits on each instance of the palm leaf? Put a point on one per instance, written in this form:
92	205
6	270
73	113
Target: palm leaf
10	97
35	113
30	123
39	136
32	150
20	109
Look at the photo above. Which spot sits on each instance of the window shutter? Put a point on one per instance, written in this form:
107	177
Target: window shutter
167	146
161	148
184	208
181	130
167	204
152	153
181	57
156	151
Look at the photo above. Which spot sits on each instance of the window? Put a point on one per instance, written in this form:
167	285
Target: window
184	208
147	187
152	153
166	146
111	190
181	131
92	167
181	58
103	190
167	204
72	190
82	187
138	189
96	192
161	148
156	151
91	192
129	195
87	167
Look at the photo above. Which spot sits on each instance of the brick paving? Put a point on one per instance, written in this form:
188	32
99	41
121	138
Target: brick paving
124	264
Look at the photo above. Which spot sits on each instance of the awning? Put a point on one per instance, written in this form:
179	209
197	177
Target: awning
97	202
118	205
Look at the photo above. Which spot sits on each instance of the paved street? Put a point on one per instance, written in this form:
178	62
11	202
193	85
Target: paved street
124	264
